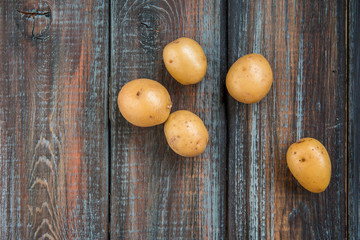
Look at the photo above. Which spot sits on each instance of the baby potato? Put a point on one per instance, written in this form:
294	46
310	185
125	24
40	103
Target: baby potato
185	60
144	102
249	79
310	164
186	133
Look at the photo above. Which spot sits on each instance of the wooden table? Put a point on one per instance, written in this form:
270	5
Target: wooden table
71	167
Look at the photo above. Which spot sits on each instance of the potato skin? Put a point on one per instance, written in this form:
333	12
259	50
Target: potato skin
186	133
185	60
249	79
310	164
144	102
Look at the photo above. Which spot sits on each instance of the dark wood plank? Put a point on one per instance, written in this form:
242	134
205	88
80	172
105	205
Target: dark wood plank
304	42
354	123
53	120
156	194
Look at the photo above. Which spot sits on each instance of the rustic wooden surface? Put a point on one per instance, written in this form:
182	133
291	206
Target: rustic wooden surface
305	44
71	167
53	120
156	194
354	122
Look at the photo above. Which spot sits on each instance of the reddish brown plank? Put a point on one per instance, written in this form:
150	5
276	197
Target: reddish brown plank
304	42
156	194
53	124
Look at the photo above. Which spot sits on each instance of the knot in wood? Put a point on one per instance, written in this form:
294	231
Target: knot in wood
34	19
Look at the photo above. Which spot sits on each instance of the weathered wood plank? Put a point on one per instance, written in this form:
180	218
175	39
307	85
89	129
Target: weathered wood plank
304	42
53	120
156	194
354	124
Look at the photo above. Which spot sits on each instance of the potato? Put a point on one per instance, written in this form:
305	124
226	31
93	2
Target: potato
310	164
249	79
186	133
185	60
144	102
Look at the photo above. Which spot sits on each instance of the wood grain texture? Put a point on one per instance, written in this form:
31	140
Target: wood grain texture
354	124
156	194
304	42
53	124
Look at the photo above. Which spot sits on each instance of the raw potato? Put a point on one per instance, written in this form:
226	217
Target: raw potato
144	102
249	79
185	60
310	164
186	133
